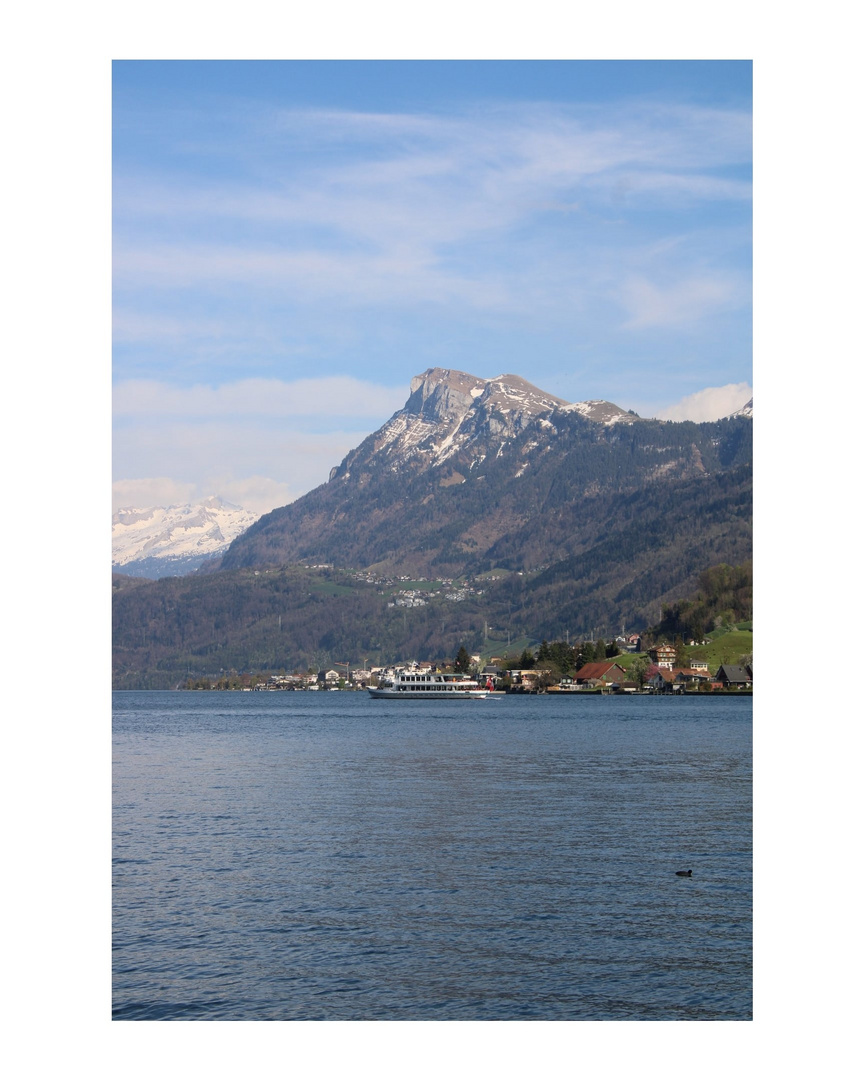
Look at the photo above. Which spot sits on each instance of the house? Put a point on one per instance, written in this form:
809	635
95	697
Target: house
565	685
690	675
527	678
731	675
663	681
663	656
600	671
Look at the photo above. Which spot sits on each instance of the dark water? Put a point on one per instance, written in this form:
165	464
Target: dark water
328	857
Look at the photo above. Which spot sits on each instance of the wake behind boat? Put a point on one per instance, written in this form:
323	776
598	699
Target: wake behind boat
431	685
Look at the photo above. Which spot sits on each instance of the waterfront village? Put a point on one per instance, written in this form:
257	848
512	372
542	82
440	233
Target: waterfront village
661	669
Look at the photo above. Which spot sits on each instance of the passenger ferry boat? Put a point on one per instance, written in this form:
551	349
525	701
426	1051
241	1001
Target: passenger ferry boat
429	685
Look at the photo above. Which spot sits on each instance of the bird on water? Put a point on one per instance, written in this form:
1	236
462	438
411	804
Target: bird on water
684	873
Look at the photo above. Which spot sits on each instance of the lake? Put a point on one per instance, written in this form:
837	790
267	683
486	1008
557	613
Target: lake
324	856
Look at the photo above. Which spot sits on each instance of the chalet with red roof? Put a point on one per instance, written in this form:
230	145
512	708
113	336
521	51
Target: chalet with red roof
602	672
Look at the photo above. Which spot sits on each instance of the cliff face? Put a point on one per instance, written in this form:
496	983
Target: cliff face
447	413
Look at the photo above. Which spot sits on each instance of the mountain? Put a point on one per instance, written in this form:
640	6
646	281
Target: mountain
484	512
475	474
451	415
166	541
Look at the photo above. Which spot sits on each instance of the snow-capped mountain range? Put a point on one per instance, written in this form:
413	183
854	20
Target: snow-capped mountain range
164	541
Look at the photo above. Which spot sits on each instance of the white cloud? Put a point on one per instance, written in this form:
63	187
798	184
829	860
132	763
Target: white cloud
130	326
712	403
382	208
243	441
678	186
255	463
150	491
332	396
399	274
685	301
260	494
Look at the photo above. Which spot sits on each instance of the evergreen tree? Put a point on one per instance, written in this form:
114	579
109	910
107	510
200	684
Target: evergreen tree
562	655
463	661
526	660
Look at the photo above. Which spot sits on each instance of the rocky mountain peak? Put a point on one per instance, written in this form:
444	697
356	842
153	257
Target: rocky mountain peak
443	395
447	411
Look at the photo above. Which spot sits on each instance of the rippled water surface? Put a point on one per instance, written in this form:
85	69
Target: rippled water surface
298	856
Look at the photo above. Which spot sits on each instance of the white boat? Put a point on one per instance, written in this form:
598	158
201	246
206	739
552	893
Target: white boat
430	685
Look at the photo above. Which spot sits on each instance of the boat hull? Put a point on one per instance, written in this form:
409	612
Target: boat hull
427	695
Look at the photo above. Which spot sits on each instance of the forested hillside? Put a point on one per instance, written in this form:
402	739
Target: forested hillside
545	497
724	595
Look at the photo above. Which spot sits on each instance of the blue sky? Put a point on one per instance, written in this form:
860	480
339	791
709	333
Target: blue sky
293	241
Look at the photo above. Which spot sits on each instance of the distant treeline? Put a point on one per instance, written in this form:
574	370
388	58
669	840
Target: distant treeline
724	597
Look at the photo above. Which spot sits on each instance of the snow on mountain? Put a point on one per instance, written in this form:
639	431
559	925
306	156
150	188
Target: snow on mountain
745	410
601	412
165	541
449	410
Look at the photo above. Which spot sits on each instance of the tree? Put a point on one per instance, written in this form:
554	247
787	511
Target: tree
639	670
612	649
463	661
551	676
526	660
563	655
